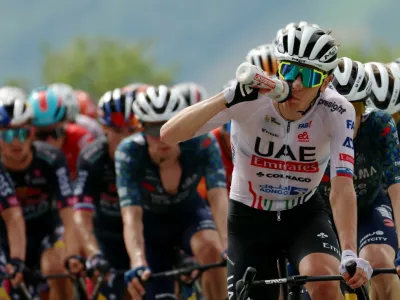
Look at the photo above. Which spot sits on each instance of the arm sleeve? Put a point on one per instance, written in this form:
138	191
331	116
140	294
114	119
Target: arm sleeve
127	170
341	142
63	184
218	120
86	188
240	112
390	147
215	176
8	197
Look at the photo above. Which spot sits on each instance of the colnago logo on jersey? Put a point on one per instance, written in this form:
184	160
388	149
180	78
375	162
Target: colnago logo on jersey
304	161
290	177
332	105
282	190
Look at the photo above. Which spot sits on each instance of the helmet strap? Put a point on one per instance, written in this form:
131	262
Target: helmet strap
303	112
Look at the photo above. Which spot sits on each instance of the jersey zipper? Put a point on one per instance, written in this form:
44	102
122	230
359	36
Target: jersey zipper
278	213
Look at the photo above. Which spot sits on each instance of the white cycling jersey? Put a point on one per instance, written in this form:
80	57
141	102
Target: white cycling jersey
278	164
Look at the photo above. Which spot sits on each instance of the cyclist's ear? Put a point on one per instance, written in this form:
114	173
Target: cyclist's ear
326	82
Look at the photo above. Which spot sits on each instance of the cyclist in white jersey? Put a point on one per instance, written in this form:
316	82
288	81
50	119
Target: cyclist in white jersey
280	152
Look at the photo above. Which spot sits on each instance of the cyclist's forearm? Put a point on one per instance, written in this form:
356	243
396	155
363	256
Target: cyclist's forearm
344	210
134	243
70	232
84	224
185	124
394	194
133	234
16	232
218	200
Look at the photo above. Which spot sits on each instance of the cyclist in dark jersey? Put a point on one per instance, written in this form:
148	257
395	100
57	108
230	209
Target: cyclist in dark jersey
161	208
50	119
40	175
41	179
376	162
10	209
97	213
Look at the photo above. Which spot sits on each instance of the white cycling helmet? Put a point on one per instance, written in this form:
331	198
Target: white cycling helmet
308	45
69	98
192	92
292	25
158	104
14	107
263	57
385	86
351	80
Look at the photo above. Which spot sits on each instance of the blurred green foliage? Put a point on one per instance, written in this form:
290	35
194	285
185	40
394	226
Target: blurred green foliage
381	52
100	64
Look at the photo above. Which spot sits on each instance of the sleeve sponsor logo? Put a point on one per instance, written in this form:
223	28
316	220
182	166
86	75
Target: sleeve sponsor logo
64	182
282	190
348	142
346	157
350	124
332	105
345	172
80	182
311	167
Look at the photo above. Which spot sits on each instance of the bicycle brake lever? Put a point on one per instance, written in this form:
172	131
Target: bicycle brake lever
243	286
351	267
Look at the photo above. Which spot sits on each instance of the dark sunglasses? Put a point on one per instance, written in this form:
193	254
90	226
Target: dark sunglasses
9	135
55	133
310	77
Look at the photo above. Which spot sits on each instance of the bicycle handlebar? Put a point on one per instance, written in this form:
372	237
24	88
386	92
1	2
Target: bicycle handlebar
188	270
243	286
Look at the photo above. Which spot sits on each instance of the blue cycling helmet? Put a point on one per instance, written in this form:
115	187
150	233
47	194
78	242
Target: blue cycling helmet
115	109
48	108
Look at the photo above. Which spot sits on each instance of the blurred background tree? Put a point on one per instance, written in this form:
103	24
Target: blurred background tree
100	64
18	82
380	52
